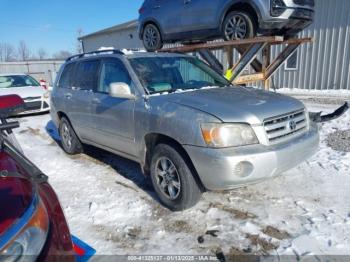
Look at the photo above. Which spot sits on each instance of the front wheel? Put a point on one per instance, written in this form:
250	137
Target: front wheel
173	180
152	39
238	25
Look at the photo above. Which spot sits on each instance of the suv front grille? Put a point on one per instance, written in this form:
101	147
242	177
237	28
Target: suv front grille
282	127
304	2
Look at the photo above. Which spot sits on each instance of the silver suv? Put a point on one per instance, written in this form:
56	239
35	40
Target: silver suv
167	21
186	125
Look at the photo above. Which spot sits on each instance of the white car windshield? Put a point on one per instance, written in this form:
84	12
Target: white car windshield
12	81
172	74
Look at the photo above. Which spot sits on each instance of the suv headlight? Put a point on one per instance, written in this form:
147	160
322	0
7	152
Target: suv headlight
228	135
30	240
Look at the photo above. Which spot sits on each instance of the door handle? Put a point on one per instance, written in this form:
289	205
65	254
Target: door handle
68	95
156	7
187	1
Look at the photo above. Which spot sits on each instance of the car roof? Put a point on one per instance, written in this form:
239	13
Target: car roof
126	53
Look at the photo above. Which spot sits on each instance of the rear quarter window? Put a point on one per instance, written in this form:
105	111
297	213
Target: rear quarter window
66	76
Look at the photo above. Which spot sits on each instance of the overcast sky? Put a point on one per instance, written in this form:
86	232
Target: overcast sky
53	24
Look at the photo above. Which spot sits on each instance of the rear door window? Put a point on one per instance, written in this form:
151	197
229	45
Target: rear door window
86	75
66	77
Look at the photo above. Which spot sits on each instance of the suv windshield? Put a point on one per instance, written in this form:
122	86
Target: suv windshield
17	81
171	74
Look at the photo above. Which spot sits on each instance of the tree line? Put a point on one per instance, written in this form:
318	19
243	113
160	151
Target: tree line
21	52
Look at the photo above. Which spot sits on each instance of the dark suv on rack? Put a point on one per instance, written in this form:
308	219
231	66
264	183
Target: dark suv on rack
166	21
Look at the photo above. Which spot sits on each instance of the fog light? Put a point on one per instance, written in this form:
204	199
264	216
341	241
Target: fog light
243	169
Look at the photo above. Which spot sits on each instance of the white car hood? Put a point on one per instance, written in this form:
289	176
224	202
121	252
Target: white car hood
24	92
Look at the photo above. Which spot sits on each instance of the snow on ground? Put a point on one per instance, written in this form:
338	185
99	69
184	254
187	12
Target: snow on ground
112	207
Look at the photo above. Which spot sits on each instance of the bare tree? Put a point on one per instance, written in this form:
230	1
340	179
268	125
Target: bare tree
23	51
63	54
7	52
42	54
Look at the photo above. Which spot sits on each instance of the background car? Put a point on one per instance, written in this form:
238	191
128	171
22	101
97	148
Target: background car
35	96
166	21
32	223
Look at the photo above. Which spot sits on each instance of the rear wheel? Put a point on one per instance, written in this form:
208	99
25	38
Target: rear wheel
238	25
173	180
152	39
70	141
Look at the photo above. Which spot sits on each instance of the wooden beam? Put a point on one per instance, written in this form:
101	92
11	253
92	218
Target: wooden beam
246	59
229	55
220	45
255	64
211	59
294	41
266	57
246	79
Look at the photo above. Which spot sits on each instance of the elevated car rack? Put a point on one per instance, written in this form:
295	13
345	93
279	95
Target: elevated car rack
249	50
99	52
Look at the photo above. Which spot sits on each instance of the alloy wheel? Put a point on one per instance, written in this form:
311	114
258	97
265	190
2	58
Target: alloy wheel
167	178
236	28
66	136
151	37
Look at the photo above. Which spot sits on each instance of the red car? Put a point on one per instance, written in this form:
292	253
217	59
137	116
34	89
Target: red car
32	223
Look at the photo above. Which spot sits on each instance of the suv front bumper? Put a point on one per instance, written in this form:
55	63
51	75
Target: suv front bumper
218	168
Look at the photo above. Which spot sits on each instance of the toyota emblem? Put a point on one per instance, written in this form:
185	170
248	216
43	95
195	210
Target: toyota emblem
292	125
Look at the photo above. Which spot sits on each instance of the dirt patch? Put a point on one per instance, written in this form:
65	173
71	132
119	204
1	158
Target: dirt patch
276	233
35	132
339	141
236	254
133	232
263	245
179	226
238	214
125	185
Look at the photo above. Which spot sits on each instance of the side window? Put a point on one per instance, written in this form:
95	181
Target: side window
113	71
66	76
86	75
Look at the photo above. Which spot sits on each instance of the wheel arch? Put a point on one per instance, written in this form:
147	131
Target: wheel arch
61	114
151	140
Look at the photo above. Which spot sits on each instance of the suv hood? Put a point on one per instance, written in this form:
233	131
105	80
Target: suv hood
238	104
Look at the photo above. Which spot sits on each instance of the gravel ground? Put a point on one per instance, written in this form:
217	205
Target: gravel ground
339	141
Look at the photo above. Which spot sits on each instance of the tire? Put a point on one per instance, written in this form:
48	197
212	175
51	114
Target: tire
238	25
173	173
69	140
152	38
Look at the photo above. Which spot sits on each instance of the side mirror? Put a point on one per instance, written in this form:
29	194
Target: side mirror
11	105
120	90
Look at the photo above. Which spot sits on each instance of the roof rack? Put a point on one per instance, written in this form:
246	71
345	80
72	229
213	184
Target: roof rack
99	52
